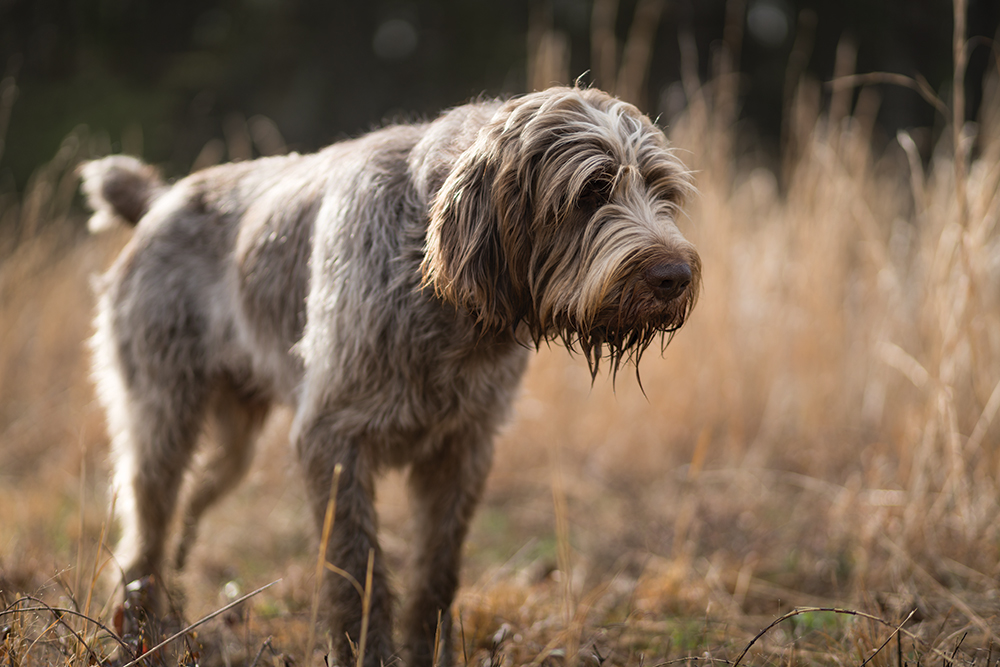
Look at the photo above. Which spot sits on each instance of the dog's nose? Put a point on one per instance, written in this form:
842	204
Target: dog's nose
668	281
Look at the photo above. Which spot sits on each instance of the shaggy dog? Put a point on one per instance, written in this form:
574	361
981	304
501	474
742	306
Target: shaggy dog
389	288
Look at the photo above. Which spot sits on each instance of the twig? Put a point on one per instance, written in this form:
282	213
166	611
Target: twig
437	641
350	578
807	610
331	510
366	604
674	661
196	624
918	84
958	646
889	638
256	659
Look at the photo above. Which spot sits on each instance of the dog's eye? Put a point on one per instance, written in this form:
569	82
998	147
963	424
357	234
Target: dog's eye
594	194
663	184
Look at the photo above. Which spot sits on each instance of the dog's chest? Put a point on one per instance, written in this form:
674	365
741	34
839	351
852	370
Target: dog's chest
407	376
444	396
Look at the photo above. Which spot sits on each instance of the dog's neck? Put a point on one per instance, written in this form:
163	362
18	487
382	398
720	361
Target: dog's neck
446	138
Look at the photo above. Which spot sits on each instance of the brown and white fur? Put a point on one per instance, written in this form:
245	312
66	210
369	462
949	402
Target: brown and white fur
389	289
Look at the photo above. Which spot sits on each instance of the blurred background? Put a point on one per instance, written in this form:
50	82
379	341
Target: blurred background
823	432
164	79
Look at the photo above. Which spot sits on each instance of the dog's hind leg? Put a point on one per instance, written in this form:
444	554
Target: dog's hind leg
153	441
444	491
237	419
149	363
151	453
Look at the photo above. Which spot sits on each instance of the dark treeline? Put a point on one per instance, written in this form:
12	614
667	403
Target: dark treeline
172	73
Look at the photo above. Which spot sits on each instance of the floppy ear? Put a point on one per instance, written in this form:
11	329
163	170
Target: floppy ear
477	246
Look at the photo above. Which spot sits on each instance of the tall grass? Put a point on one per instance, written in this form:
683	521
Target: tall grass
851	324
824	427
822	432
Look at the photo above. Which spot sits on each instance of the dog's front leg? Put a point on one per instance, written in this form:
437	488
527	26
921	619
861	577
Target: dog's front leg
444	491
352	542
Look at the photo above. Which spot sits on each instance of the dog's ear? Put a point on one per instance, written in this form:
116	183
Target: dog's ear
478	242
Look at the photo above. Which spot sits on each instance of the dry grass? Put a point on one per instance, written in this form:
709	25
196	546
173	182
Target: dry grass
820	434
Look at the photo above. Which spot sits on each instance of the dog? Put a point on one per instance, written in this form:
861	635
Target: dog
390	289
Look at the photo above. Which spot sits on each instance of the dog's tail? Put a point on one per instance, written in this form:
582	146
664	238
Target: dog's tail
119	188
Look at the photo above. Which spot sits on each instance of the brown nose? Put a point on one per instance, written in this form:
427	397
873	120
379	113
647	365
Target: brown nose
668	281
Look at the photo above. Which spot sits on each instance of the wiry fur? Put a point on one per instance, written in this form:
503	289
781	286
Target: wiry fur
386	288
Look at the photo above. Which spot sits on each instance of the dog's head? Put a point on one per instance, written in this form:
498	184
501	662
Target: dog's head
560	217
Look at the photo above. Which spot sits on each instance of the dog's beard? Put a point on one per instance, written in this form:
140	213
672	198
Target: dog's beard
622	333
627	322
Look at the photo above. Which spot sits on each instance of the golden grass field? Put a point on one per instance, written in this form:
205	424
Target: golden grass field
822	434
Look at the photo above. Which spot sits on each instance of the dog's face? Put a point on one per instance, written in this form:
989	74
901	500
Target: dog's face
560	218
